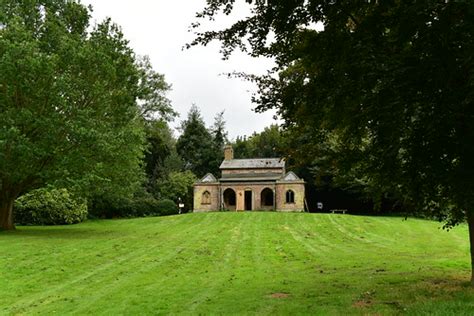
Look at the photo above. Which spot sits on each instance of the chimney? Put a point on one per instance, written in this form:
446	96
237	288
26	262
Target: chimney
228	152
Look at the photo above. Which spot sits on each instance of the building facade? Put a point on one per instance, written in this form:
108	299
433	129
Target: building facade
248	185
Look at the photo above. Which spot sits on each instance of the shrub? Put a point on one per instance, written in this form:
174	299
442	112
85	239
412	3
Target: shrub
167	207
121	207
49	207
111	207
146	206
178	186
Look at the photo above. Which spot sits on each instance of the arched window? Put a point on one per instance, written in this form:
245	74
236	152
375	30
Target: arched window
266	197
290	197
206	198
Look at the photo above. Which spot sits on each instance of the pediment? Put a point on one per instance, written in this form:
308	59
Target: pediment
291	176
209	178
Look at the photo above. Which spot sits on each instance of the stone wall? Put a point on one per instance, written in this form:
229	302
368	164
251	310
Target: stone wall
279	190
256	189
299	195
199	189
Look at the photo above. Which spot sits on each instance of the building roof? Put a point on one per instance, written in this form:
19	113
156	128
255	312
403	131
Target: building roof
291	176
260	163
208	178
250	177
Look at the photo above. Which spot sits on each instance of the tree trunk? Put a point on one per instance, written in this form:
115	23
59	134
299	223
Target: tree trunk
470	222
6	214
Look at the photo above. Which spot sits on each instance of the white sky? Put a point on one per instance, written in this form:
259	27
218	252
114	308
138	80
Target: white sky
159	29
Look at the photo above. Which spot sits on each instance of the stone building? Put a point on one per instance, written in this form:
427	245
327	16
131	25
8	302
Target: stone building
250	184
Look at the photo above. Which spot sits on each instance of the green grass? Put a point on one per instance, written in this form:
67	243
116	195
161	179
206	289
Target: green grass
237	263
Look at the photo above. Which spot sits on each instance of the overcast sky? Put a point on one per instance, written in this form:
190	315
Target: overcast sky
159	29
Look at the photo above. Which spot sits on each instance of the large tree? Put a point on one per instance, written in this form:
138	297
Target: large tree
195	145
219	140
161	157
270	143
389	84
68	100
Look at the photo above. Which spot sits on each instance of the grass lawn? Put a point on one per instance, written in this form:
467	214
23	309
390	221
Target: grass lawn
237	263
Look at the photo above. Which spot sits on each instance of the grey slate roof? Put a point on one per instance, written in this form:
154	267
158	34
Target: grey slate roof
253	163
250	177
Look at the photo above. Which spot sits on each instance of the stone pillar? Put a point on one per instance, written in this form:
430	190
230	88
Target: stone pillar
240	200
274	198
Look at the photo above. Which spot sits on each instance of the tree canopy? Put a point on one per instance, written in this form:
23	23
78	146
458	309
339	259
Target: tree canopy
201	148
161	146
385	87
70	109
270	143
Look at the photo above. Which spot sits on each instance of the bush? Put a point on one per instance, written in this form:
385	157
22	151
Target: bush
167	207
115	207
49	207
111	207
146	207
176	186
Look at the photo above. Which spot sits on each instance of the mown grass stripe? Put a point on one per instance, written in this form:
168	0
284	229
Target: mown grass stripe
112	266
235	263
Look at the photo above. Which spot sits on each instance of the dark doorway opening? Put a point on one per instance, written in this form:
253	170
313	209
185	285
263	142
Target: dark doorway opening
266	197
248	200
229	199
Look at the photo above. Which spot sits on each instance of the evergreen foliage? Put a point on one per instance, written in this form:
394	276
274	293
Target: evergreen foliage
124	207
161	157
178	187
195	145
167	207
270	143
219	140
49	207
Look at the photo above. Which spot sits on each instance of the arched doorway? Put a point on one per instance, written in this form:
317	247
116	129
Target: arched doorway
266	199
229	199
